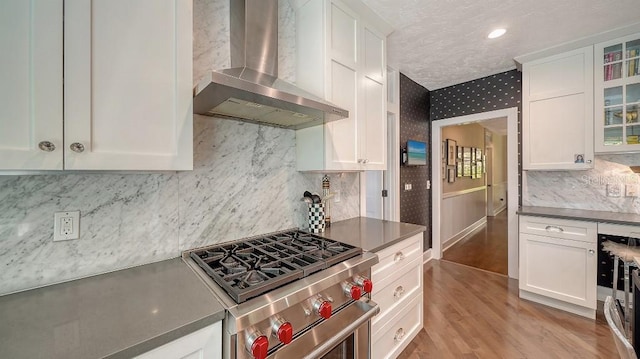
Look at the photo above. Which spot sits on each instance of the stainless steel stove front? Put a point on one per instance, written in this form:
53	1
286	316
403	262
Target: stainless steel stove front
319	311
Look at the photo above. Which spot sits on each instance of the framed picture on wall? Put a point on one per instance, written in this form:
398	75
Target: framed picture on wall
466	162
474	172
451	152
459	165
443	150
451	174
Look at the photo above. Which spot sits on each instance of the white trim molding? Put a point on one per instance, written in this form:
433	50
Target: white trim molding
512	178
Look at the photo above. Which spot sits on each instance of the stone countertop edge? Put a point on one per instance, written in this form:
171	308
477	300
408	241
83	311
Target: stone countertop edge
371	234
114	315
581	215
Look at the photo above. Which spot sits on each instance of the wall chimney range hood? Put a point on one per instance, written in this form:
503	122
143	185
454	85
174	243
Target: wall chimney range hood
250	90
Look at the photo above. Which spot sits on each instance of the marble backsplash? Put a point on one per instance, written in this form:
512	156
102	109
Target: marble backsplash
602	188
244	183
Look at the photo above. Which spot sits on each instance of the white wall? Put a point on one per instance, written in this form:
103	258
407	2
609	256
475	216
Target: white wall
460	211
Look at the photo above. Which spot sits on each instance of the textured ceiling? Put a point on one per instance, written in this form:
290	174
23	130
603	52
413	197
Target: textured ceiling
439	43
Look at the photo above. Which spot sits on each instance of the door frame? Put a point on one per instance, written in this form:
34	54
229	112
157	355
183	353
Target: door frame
512	179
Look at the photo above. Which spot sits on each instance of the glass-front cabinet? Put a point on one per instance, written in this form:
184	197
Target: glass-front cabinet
617	95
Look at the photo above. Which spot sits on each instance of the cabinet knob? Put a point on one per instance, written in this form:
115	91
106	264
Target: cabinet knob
591	251
588	161
47	146
398	257
399	335
77	147
398	292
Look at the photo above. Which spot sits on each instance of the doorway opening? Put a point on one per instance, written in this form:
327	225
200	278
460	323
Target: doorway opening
463	211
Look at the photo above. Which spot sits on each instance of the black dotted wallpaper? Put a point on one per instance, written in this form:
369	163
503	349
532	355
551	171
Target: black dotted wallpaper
415	205
489	93
495	92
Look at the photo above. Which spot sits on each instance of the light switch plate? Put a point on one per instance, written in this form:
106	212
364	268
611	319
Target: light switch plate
631	190
66	225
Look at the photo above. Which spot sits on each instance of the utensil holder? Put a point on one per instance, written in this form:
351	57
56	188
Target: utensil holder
316	217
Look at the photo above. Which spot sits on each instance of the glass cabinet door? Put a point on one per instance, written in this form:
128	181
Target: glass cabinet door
617	126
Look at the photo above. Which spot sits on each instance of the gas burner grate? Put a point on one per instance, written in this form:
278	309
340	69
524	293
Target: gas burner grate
254	266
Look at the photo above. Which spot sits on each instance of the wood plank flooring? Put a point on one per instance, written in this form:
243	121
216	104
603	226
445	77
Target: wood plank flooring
470	313
486	249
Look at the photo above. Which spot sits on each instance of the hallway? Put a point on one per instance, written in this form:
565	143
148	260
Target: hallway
486	249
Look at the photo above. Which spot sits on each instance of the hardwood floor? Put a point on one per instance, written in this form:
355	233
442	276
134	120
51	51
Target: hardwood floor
469	313
486	249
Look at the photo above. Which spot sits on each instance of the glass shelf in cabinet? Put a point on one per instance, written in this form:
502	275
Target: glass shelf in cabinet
613	96
612	136
633	93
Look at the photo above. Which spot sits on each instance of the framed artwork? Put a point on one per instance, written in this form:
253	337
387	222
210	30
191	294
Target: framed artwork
451	152
451	174
466	162
473	154
443	149
474	172
444	170
479	163
416	153
459	165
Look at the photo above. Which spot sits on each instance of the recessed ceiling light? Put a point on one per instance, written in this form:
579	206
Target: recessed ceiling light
496	33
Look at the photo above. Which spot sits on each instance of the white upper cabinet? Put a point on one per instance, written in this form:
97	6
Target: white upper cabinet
617	95
557	129
31	85
341	57
127	85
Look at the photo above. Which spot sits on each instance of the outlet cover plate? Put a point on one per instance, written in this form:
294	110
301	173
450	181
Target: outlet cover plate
66	225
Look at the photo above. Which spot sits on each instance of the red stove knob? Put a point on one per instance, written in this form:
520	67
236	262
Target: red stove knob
285	333
325	310
365	283
352	290
257	344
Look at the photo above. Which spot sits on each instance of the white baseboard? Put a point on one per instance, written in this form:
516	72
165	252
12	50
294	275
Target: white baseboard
497	211
426	256
464	233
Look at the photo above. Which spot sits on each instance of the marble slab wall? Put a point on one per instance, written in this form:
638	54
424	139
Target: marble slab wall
244	183
602	188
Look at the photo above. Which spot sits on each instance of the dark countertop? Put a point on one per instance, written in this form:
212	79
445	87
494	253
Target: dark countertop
371	234
582	215
115	315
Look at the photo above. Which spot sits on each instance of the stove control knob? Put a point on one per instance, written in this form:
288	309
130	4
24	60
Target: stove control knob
258	345
365	283
283	330
352	290
322	308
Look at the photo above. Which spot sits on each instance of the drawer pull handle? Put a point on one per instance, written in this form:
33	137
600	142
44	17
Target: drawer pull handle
554	229
592	252
398	292
399	335
398	257
47	146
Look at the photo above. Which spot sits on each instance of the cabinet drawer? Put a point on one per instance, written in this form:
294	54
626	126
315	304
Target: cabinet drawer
623	230
559	228
396	257
398	332
396	290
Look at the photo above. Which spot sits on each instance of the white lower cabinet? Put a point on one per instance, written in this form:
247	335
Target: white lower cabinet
397	289
558	263
204	343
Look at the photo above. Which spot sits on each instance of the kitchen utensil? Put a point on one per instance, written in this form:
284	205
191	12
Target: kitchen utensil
307	200
316	198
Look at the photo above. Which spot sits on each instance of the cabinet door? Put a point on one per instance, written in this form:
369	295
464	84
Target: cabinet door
558	268
373	141
617	95
128	80
341	137
31	85
557	131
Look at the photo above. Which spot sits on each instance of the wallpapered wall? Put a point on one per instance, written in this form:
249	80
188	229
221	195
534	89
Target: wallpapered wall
415	205
495	92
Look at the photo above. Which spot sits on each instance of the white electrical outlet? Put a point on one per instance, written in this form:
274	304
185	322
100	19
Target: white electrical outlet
66	225
631	190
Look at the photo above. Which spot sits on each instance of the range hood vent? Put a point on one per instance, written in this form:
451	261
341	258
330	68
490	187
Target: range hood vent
250	90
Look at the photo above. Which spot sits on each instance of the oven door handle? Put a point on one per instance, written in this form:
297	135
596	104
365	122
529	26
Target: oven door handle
370	308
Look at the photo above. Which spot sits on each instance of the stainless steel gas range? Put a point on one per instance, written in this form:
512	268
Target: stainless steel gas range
290	294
